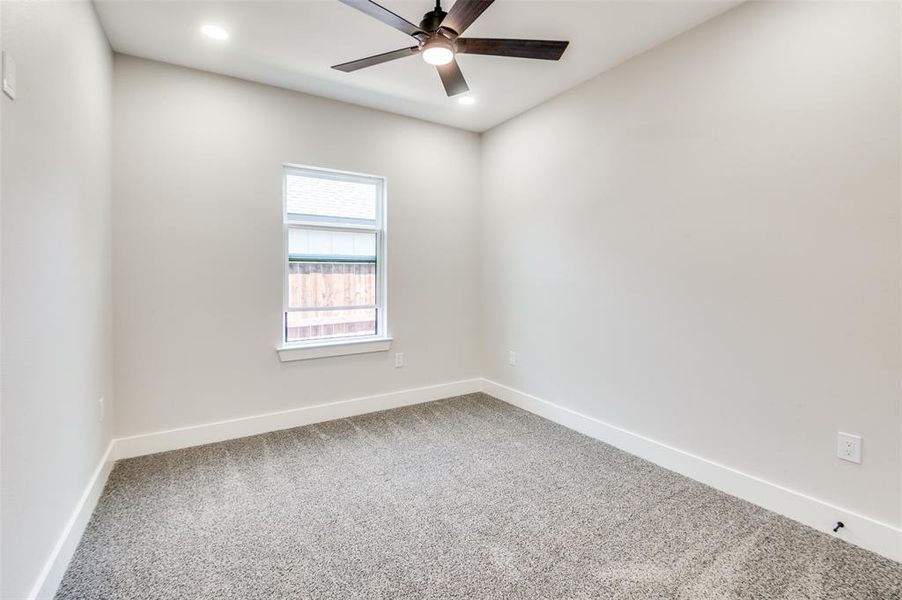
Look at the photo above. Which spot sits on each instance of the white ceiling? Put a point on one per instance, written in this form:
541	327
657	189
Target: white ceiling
292	44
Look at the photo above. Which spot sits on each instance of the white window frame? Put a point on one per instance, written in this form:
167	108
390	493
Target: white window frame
381	341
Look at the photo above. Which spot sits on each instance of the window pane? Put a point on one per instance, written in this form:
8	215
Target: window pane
327	197
329	284
319	244
334	223
320	324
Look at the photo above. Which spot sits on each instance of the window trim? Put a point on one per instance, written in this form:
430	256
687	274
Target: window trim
289	351
333	347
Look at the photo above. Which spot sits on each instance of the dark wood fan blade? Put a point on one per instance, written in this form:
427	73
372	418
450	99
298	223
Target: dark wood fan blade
541	49
386	16
378	59
463	13
452	78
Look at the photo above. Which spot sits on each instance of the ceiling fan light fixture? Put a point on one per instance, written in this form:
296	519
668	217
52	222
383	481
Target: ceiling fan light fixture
438	51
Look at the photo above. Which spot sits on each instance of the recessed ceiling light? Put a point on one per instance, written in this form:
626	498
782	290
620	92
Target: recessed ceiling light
215	31
467	100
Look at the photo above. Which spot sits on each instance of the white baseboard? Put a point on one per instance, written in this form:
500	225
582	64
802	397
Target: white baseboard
57	563
184	437
873	535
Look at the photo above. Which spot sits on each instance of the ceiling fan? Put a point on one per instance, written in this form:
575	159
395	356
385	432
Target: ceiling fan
438	40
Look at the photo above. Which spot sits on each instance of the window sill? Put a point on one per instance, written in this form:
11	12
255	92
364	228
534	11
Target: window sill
323	349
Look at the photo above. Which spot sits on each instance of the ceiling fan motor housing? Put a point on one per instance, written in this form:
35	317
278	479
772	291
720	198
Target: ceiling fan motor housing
438	40
433	20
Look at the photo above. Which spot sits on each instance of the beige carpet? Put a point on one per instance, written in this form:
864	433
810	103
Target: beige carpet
461	498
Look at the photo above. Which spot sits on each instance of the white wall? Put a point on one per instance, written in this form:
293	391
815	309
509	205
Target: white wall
197	246
55	276
703	246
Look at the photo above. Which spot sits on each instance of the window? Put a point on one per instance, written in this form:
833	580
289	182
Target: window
334	268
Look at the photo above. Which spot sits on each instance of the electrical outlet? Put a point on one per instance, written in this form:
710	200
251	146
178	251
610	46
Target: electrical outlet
848	447
399	360
102	409
512	358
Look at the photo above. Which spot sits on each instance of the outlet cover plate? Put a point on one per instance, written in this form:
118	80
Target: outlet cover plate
848	447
